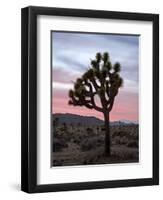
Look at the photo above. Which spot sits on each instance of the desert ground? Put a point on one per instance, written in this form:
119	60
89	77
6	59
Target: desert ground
75	144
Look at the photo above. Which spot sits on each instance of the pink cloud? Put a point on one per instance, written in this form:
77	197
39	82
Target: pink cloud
125	106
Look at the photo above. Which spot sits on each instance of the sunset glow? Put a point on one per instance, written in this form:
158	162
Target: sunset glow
71	54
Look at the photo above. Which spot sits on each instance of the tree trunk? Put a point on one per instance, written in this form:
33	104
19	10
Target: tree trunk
107	134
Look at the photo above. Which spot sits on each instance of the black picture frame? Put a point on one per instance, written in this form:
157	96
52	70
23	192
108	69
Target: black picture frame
29	99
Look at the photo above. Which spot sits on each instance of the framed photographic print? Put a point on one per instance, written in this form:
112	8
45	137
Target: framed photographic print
90	99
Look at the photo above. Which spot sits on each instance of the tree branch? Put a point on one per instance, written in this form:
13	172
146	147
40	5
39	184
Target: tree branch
111	105
92	97
93	81
107	90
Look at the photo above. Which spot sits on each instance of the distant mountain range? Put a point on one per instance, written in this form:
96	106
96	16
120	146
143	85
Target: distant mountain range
86	120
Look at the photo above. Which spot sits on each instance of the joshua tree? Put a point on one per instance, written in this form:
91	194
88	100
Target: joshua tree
101	80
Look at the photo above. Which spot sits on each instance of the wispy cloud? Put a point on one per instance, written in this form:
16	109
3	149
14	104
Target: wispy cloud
71	54
72	62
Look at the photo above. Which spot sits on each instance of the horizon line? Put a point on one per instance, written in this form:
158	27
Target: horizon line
137	122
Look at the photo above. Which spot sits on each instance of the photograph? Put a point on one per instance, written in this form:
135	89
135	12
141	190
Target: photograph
89	99
94	98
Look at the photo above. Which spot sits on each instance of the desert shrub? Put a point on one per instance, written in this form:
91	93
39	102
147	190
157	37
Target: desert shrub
124	154
63	132
57	163
55	121
90	131
90	160
103	129
117	140
97	129
120	140
78	130
100	141
77	140
59	144
89	144
124	140
135	136
62	129
120	134
133	144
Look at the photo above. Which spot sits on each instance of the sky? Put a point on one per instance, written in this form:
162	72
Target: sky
71	55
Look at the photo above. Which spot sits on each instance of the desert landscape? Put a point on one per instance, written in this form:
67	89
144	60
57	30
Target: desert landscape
80	140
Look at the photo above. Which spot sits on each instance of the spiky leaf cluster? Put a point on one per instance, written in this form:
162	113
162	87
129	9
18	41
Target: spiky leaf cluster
102	79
